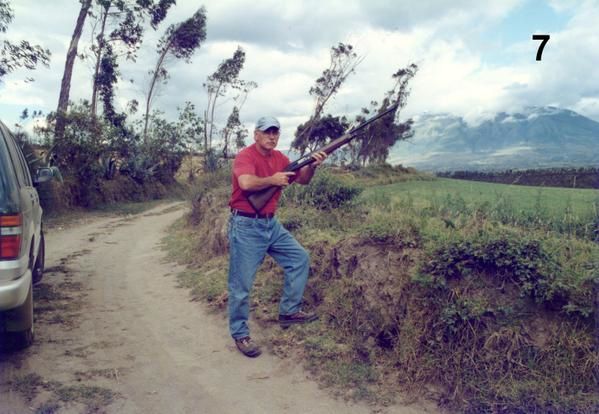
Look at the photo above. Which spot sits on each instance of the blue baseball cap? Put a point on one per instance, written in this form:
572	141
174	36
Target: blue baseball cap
267	122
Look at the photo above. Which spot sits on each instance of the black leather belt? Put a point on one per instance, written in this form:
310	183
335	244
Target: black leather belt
251	215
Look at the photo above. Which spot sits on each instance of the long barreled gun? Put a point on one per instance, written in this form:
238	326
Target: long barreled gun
258	199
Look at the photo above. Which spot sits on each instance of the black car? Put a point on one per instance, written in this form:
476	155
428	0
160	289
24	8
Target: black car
21	242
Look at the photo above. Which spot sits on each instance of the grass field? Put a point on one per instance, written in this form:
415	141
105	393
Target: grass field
569	211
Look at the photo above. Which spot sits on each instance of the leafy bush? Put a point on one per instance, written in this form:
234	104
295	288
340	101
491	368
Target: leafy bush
478	319
211	161
93	149
517	260
403	232
325	192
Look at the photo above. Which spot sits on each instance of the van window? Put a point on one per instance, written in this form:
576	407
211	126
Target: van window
13	153
6	170
24	165
9	167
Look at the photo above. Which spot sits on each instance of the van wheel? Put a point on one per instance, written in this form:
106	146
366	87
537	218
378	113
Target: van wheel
18	340
38	269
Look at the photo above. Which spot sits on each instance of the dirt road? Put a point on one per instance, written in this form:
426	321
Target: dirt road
114	334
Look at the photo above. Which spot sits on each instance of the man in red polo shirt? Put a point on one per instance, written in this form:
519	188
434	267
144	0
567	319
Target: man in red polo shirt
252	235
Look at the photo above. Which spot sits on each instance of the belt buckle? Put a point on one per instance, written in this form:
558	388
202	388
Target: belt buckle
244	214
236	212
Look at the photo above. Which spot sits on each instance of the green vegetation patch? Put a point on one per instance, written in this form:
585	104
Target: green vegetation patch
326	192
48	407
208	283
570	212
429	288
502	308
92	397
27	385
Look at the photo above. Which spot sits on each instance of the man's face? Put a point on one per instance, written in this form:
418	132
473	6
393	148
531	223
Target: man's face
267	140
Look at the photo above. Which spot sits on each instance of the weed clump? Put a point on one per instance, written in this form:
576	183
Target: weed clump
498	327
325	192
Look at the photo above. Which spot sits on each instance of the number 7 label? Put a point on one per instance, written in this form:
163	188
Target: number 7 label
545	39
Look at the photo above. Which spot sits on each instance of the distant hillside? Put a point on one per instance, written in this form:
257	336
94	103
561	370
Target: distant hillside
535	138
546	177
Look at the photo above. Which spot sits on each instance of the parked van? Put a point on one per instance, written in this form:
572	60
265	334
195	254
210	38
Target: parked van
21	242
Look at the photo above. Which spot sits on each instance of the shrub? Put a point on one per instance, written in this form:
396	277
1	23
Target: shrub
513	260
478	319
325	192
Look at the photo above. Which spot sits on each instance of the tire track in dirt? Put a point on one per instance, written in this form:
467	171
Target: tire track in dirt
61	372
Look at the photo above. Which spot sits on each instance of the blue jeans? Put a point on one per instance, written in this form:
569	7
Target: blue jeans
249	241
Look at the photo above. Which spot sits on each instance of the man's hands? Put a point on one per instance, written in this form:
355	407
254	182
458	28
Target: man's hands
249	182
305	174
281	179
319	157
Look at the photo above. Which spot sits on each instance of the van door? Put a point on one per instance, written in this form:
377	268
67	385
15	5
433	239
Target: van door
28	198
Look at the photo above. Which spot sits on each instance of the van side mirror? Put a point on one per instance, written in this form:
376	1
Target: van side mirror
43	175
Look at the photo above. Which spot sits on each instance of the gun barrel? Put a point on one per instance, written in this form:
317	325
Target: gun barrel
259	199
339	142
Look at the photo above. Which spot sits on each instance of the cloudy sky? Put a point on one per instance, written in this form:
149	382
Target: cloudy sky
475	57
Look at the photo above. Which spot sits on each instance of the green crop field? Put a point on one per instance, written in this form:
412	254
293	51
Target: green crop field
571	211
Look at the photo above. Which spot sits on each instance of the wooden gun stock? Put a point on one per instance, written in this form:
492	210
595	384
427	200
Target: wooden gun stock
258	199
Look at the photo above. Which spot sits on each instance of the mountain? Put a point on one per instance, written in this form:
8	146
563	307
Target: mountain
537	137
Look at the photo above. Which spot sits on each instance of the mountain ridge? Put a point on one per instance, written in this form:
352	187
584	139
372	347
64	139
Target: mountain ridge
536	137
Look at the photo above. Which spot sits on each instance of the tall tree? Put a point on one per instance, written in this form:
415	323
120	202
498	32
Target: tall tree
189	129
180	42
126	18
217	84
374	142
105	79
24	54
65	85
343	62
233	129
240	135
326	129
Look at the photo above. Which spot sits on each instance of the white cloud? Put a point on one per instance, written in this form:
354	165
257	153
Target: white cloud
588	106
287	46
511	151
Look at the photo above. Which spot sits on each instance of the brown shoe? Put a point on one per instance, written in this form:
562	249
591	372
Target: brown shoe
248	347
298	317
